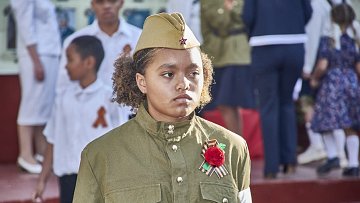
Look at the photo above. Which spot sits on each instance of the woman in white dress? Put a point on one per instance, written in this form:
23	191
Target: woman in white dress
38	51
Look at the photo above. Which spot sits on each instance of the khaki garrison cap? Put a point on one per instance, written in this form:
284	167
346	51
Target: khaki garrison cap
166	30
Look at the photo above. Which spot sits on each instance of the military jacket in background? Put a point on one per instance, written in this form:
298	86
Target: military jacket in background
224	36
149	161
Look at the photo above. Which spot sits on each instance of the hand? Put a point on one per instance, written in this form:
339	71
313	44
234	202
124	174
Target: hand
37	196
314	83
39	71
38	67
228	4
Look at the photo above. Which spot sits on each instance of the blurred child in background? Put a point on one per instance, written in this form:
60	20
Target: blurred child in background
81	113
338	100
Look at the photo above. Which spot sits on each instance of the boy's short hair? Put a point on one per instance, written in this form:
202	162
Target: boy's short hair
89	46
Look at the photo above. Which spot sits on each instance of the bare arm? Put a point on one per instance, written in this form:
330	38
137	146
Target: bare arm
45	173
357	68
319	71
38	67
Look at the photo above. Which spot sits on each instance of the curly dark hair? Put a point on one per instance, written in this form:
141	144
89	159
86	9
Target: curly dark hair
125	89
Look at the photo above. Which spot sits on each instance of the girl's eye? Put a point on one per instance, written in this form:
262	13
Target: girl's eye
195	73
168	74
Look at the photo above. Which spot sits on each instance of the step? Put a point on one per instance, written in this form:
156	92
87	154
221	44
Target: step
302	186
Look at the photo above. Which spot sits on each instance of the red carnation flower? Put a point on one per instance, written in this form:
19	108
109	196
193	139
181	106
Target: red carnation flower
214	156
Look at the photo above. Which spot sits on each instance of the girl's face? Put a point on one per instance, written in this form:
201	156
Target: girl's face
173	82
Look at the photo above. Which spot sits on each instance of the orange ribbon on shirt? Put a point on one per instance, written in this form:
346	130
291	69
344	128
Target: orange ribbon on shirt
101	118
127	49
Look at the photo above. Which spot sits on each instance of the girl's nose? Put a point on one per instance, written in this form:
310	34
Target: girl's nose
183	84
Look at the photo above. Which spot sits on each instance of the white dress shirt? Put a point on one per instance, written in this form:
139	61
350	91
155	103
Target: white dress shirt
113	46
71	126
36	25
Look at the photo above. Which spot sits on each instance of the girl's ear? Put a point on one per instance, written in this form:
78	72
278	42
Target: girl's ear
141	83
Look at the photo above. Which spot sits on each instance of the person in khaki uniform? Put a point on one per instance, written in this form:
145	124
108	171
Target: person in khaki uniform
225	40
166	153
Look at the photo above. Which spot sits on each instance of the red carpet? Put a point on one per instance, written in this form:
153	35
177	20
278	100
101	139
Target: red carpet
303	186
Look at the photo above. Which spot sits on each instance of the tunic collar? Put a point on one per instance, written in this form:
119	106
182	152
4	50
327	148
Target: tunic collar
171	132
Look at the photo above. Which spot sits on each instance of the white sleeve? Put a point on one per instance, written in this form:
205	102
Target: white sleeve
297	89
313	31
50	127
356	26
24	15
245	196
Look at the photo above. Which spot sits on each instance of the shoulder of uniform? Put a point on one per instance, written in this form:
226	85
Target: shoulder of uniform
105	142
214	130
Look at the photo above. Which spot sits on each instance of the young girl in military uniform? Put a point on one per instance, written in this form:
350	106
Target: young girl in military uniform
166	153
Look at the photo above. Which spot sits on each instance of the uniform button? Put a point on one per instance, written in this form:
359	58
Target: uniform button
220	11
225	200
179	179
171	129
174	148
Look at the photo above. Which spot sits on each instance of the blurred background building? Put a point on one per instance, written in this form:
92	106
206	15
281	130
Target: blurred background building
77	13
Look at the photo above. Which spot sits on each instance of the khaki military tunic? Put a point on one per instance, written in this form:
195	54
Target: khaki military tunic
223	31
149	161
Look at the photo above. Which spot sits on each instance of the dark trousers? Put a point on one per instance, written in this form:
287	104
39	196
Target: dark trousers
67	187
276	69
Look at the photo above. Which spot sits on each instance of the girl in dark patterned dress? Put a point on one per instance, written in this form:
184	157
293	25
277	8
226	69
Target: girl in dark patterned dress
338	100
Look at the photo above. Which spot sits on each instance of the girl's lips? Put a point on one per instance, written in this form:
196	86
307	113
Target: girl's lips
183	96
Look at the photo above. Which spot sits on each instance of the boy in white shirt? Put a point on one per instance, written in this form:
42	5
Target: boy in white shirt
81	113
117	37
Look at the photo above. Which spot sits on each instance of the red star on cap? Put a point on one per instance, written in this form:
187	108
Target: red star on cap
182	41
